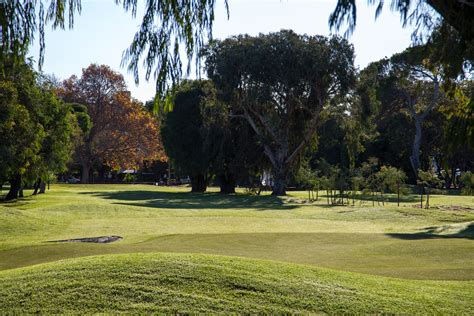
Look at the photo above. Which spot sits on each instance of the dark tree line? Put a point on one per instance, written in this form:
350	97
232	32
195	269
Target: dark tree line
205	141
302	100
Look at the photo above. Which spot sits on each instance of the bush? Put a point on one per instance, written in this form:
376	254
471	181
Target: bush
129	178
467	180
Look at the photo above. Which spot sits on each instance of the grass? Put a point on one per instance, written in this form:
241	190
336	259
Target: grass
431	250
180	284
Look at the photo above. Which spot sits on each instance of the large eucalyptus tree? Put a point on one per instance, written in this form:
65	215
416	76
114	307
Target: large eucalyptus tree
280	83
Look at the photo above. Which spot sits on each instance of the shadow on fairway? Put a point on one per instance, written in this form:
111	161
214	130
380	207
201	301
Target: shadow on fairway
436	232
387	198
186	200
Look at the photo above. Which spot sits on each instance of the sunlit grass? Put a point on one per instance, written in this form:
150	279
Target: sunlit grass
385	240
404	242
180	284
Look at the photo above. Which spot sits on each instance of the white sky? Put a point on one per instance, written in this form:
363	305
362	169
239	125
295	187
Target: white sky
104	31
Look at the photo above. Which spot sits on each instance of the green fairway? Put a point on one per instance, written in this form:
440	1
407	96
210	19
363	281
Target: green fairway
186	283
383	241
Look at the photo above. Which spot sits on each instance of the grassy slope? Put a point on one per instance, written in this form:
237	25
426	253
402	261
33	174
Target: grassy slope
199	283
378	240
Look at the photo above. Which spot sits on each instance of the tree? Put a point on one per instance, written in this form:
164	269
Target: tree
427	180
235	154
22	20
393	179
123	133
182	133
408	82
206	142
36	129
424	13
280	83
166	26
60	126
20	139
308	178
456	147
368	171
467	180
418	81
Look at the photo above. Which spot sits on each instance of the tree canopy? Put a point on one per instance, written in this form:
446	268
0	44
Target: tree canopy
280	83
423	13
36	129
123	133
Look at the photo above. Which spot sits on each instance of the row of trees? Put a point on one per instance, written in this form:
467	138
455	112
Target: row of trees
370	180
48	127
298	98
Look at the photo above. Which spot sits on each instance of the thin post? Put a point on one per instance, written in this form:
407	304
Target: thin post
421	198
398	193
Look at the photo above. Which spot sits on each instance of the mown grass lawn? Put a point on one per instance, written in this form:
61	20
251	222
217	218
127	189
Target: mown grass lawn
199	283
399	242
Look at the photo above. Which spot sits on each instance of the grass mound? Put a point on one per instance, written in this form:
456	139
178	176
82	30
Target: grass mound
180	283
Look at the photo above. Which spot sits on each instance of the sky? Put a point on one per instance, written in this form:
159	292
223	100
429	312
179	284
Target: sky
104	30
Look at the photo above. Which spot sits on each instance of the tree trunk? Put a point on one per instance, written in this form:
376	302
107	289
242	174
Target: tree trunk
279	187
398	193
36	186
453	177
15	187
421	197
227	183
198	183
279	180
415	152
42	187
427	206
85	177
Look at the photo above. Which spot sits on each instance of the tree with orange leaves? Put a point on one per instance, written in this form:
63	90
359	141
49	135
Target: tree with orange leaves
123	133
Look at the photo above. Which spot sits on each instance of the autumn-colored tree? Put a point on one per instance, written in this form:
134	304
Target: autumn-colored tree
123	133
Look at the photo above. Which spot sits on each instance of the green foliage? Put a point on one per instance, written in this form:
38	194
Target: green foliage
274	82
392	178
20	135
20	21
36	128
306	176
203	140
422	13
166	27
183	132
83	119
467	179
129	178
428	179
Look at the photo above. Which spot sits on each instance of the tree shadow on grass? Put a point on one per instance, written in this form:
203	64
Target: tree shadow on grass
437	232
186	200
387	198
